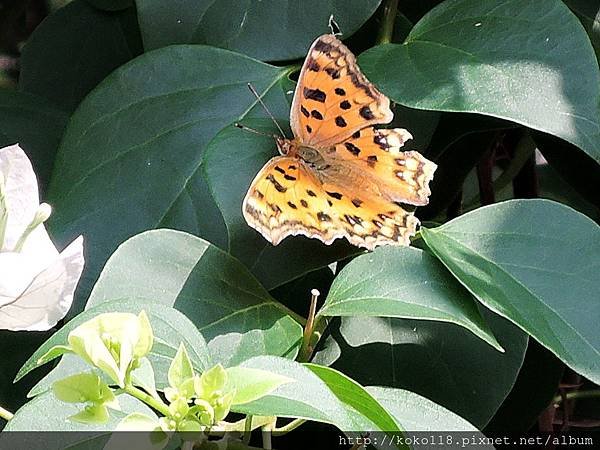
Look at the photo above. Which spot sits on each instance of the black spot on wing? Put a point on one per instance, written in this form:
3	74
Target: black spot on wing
316	114
276	183
335	195
311	193
324	47
340	122
352	148
345	104
279	169
381	141
357	202
323	217
340	91
304	203
291	205
333	73
309	128
356	135
289	177
371	160
304	111
312	65
366	113
315	94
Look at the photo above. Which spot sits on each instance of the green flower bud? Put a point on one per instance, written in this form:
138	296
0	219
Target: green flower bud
112	342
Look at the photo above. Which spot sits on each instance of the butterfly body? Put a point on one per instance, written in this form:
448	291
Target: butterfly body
339	176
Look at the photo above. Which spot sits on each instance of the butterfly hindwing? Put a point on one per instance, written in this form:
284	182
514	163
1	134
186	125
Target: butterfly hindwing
287	199
402	176
333	98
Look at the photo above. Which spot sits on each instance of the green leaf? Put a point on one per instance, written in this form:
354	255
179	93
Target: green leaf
534	262
353	394
500	58
252	384
72	51
143	376
36	124
106	150
181	368
111	5
91	414
211	380
404	282
55	415
307	397
153	438
273	265
441	361
230	308
417	413
587	11
268	30
82	388
170	329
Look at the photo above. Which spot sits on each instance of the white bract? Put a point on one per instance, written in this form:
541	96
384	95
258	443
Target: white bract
36	281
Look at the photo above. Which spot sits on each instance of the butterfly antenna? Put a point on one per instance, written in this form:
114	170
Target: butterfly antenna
265	108
334	27
251	130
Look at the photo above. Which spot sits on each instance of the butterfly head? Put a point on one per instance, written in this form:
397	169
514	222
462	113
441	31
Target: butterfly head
285	146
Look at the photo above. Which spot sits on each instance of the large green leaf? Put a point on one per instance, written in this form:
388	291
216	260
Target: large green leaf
217	293
73	50
404	282
267	29
231	161
416	413
130	156
319	394
36	124
441	361
47	413
353	394
170	327
536	263
501	58
588	12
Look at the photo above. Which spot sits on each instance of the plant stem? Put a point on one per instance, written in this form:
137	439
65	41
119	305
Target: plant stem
306	349
5	414
247	429
289	427
148	399
577	394
390	9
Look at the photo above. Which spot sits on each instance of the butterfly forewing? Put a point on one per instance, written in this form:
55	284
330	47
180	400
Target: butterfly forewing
333	98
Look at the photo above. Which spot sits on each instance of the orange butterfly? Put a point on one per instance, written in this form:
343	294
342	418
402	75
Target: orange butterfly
339	176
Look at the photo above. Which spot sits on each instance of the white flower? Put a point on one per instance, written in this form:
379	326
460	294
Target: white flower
36	281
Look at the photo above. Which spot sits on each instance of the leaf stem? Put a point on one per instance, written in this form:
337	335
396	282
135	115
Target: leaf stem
5	414
594	393
390	9
306	349
148	399
289	427
247	429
